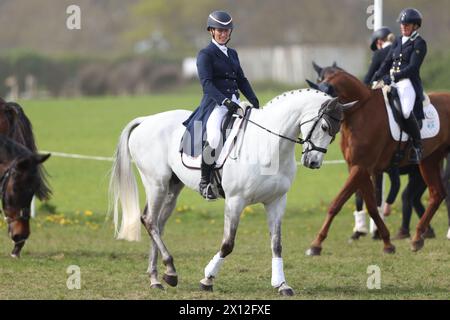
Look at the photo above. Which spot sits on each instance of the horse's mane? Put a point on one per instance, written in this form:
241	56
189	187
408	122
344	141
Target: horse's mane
291	93
21	131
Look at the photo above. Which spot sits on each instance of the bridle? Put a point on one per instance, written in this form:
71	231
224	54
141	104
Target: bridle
3	185
333	124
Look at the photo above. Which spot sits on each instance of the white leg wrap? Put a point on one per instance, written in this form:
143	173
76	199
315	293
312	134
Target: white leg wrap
213	267
373	226
448	234
360	221
277	272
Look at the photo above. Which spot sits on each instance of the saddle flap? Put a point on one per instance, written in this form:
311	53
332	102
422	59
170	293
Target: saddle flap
430	125
233	129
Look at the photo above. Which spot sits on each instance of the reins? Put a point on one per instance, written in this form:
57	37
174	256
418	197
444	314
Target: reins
298	140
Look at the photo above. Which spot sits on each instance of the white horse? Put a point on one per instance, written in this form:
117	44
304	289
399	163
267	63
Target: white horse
262	173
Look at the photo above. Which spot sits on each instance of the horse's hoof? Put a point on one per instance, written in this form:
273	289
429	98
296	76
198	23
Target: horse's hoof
357	234
204	287
389	250
15	256
287	292
157	286
170	280
313	251
417	245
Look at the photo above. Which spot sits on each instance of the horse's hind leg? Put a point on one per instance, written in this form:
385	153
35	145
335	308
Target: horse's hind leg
430	169
156	199
233	209
275	211
175	187
170	202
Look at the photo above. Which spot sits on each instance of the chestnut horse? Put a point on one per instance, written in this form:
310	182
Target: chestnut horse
15	125
368	149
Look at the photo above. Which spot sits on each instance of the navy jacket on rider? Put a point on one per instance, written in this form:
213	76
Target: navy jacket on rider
405	60
377	60
220	77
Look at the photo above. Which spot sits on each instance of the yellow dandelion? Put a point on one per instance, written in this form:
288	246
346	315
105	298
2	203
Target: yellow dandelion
212	221
88	213
248	210
178	220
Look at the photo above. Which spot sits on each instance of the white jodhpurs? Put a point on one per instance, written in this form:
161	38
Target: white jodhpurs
213	126
407	96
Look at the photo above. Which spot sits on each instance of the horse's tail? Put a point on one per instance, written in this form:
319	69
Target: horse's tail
123	187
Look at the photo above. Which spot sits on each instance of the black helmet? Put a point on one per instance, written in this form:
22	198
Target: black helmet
220	20
381	33
410	15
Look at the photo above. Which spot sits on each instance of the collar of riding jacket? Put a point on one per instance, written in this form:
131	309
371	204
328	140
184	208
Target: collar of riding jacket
222	48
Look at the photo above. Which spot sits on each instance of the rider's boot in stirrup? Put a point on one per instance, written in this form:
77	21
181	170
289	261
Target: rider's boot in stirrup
206	189
413	130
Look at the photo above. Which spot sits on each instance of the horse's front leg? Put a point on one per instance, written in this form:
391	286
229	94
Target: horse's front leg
233	209
275	211
351	185
368	193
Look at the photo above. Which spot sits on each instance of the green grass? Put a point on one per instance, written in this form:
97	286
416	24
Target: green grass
78	234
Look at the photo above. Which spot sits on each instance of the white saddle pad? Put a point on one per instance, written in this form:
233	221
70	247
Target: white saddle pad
431	124
230	143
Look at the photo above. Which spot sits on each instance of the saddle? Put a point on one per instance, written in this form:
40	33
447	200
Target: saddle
429	127
233	128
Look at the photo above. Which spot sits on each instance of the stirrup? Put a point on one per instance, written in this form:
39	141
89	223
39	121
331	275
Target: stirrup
415	155
207	192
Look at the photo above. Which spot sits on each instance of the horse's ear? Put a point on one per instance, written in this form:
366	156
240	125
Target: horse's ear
334	64
317	68
40	158
333	101
349	105
312	85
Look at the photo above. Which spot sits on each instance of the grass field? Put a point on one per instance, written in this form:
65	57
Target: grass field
72	228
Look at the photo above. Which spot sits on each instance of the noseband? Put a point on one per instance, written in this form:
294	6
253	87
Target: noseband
3	185
333	124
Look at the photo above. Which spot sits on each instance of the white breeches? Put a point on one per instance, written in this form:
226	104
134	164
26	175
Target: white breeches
407	96
213	126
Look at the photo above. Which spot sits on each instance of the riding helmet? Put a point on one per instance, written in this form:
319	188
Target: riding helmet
381	33
410	15
219	20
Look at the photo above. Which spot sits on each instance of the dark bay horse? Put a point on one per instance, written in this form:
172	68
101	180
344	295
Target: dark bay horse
368	149
15	126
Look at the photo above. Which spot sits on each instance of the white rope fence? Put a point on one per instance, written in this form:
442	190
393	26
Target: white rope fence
110	159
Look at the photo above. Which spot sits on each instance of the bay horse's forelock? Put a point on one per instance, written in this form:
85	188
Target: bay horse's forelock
15	125
368	149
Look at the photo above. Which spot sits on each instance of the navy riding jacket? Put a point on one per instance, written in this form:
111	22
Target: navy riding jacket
405	61
220	77
377	60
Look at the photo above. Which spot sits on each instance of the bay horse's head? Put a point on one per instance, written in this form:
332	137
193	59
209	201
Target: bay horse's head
324	72
19	181
321	131
338	83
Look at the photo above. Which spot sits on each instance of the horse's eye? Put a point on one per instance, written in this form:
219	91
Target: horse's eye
324	127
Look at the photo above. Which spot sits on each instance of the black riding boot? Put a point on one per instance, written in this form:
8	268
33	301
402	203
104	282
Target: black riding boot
412	127
206	189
